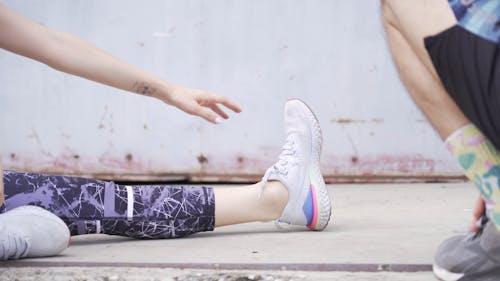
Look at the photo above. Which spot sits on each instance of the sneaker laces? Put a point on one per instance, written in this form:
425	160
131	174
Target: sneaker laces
280	167
14	246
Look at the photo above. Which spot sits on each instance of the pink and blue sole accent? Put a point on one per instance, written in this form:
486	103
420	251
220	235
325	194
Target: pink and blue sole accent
310	208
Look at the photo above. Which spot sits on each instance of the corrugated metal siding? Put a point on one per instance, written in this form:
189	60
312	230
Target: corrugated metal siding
332	54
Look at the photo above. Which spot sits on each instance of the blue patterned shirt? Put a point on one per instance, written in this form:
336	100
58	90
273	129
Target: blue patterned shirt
481	17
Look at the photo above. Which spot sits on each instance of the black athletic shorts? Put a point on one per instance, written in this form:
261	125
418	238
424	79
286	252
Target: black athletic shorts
469	67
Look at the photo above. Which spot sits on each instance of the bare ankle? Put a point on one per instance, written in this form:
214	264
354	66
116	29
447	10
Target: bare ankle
273	199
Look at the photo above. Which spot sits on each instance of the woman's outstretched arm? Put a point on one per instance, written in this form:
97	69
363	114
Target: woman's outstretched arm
73	55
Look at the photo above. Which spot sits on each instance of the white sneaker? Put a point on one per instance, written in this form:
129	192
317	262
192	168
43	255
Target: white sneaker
298	168
30	231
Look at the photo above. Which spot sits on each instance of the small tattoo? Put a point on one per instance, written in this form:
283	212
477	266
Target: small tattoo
143	89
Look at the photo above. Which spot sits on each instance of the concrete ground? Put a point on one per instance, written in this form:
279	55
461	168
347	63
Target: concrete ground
378	232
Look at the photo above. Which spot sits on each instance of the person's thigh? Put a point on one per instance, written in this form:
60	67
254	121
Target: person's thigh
417	20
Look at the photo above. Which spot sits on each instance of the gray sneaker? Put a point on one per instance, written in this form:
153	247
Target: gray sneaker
473	257
29	232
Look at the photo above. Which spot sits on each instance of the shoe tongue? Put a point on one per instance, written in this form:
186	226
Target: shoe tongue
276	176
272	175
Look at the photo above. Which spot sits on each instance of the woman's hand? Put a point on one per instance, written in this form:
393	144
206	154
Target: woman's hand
200	103
478	212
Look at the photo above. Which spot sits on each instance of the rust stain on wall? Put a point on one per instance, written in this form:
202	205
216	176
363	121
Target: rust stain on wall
129	157
241	168
202	159
380	164
240	159
354	159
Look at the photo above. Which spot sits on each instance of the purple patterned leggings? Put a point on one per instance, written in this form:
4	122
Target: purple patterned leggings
93	206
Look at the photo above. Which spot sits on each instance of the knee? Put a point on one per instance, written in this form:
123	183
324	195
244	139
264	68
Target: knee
386	12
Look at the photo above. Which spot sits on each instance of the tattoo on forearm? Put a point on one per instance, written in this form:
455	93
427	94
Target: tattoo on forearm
143	88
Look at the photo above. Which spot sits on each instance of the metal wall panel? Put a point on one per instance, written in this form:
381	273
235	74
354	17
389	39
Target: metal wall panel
330	53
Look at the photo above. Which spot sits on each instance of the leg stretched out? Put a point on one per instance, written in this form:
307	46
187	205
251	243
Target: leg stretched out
151	211
292	191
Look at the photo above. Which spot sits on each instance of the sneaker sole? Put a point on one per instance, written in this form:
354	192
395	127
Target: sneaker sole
321	199
445	275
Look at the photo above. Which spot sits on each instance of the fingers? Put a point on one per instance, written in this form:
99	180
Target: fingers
227	103
219	111
207	114
204	105
212	100
478	212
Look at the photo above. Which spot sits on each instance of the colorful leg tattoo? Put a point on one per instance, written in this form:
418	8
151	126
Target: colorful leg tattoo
481	163
93	206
